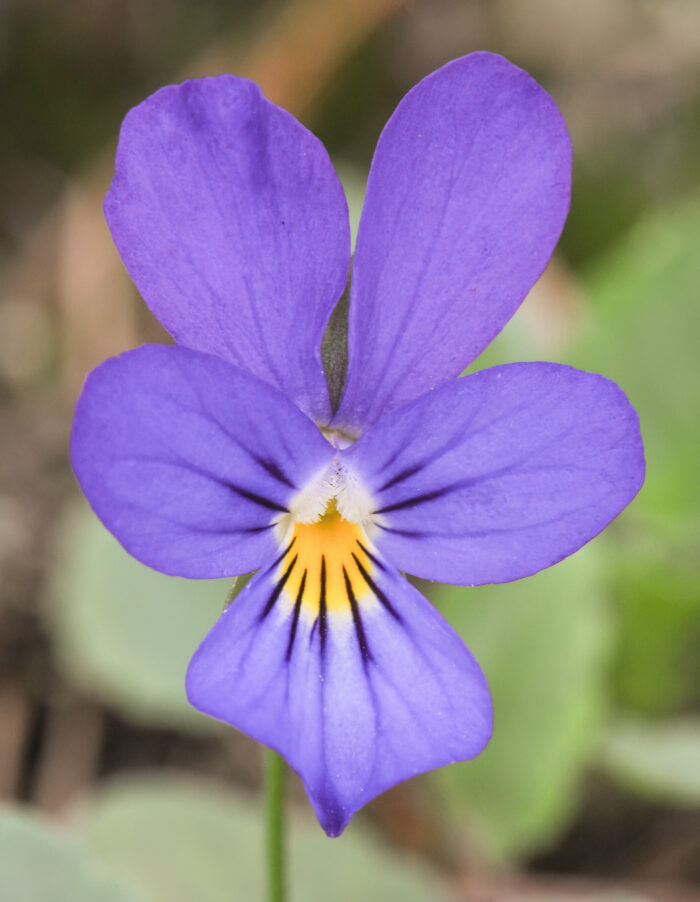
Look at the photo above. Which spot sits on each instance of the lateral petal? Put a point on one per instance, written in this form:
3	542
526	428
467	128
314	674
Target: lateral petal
500	474
466	198
189	460
352	676
233	225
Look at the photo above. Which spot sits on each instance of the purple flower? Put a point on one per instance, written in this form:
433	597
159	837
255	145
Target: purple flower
222	455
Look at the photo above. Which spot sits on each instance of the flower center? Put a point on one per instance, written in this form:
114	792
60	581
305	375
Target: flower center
327	564
329	560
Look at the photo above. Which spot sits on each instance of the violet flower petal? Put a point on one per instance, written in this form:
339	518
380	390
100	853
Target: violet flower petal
353	709
500	474
188	460
467	196
233	225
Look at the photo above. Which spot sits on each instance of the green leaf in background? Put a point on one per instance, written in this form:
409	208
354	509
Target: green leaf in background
645	322
544	644
660	760
658	605
124	632
182	842
40	864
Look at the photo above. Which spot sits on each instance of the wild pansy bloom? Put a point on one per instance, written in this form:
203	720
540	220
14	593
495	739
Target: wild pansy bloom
223	455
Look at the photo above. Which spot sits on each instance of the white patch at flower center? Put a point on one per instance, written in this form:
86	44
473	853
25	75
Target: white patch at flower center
336	486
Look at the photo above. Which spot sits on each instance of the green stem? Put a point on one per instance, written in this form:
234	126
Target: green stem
274	825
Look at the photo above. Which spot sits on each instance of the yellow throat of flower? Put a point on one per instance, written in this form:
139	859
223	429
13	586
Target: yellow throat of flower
328	565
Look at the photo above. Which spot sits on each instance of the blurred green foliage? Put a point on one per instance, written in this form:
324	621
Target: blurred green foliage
544	644
179	842
658	760
38	864
154	839
658	605
125	632
645	319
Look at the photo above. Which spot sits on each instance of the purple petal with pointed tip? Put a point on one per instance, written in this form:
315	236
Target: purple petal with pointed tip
230	219
500	474
466	198
188	459
354	710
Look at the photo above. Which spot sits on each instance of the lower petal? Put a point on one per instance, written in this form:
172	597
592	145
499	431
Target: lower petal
348	672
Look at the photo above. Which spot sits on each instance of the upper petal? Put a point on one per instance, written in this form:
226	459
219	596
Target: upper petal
352	675
466	198
189	460
230	219
500	474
